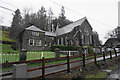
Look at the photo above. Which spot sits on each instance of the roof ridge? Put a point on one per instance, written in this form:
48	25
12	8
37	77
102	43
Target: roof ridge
68	26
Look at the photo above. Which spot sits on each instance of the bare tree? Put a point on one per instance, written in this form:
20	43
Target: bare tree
111	34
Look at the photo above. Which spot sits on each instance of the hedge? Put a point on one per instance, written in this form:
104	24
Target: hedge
63	47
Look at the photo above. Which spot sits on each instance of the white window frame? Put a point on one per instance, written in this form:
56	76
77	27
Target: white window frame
50	44
66	43
90	39
82	39
62	41
35	33
30	42
71	42
38	42
58	41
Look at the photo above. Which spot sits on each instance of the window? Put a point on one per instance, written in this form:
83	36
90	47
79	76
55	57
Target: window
90	39
82	39
38	42
31	42
45	44
71	42
58	41
66	42
35	33
61	41
50	44
87	32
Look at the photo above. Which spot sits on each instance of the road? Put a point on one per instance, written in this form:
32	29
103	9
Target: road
59	68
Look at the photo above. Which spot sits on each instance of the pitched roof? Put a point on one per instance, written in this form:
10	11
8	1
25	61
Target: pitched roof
50	34
112	41
68	28
34	28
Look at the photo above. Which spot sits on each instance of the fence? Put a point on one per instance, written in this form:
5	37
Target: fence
69	52
13	56
85	60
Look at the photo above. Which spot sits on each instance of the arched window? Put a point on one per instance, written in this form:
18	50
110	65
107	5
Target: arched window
66	42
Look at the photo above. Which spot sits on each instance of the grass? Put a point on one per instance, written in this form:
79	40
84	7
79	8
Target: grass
5	36
98	75
10	55
57	62
39	64
30	56
101	74
7	48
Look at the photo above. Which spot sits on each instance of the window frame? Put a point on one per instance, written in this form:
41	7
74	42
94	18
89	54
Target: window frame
30	42
35	33
38	42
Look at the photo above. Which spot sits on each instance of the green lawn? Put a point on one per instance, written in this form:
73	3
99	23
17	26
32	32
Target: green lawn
6	48
5	36
30	56
10	55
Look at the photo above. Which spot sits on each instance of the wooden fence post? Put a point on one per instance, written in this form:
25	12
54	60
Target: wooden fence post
83	60
110	54
115	52
95	58
43	68
103	56
68	64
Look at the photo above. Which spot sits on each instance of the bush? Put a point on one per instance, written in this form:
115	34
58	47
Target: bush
90	49
63	47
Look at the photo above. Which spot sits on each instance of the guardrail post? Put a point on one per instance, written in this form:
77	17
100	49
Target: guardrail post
110	54
68	64
95	58
103	56
83	60
43	68
115	52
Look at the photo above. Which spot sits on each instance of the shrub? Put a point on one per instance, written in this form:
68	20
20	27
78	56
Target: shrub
63	47
90	49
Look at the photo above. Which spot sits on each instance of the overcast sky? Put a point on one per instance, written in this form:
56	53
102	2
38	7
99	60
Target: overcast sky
101	14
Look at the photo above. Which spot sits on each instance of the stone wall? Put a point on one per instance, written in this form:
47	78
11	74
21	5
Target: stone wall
44	39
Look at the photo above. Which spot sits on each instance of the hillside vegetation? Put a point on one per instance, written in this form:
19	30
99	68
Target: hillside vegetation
6	48
5	37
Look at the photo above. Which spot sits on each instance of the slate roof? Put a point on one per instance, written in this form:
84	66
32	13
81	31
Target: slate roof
50	34
34	28
68	28
112	41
